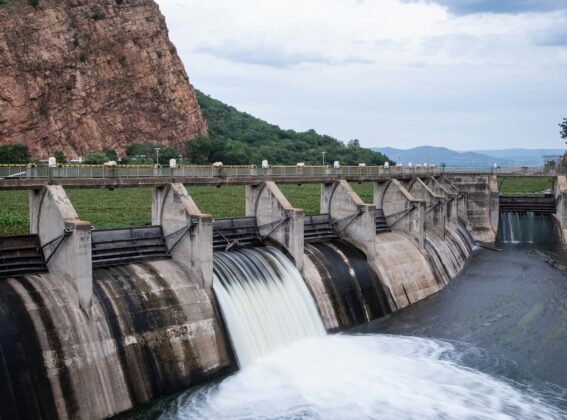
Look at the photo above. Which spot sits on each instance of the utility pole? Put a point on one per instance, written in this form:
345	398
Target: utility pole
323	153
157	149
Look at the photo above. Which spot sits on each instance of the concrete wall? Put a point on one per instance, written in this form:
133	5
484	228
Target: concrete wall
277	219
560	193
54	219
403	211
482	203
189	233
354	219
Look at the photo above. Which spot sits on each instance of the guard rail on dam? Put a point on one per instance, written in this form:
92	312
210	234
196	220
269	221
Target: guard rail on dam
89	176
111	319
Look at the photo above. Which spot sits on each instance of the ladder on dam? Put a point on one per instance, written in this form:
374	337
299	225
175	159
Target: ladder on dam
542	205
381	223
20	255
112	247
235	233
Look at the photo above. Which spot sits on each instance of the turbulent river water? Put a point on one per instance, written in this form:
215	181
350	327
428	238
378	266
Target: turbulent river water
492	344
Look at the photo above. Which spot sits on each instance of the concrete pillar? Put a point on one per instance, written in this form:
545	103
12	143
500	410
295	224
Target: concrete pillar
482	201
403	211
435	217
277	219
355	220
451	200
560	193
190	232
461	198
494	204
55	221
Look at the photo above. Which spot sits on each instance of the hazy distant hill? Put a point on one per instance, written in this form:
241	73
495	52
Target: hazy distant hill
522	156
438	155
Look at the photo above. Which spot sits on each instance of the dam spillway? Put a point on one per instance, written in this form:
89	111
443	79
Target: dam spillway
124	316
264	302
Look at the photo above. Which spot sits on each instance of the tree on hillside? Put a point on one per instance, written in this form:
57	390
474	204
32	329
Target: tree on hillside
563	126
59	156
14	153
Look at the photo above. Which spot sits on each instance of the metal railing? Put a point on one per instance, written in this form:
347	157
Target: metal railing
208	171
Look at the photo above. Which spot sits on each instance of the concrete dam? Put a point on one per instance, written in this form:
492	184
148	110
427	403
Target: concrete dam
95	322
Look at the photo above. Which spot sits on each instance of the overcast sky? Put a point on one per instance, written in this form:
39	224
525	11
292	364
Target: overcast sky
465	74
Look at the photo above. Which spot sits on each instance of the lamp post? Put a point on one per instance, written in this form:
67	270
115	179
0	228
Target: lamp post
157	149
323	153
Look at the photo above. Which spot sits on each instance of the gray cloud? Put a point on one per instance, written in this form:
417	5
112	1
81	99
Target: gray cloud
273	56
464	7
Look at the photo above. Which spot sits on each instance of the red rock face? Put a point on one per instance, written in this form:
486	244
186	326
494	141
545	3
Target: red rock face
79	75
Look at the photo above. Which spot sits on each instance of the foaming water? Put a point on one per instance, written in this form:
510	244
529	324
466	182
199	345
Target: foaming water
363	377
264	302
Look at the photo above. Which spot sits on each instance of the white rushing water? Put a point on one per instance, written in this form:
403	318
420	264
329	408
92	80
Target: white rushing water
526	227
361	377
265	302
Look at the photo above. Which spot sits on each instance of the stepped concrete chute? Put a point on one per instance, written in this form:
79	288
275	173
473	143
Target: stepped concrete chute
435	217
403	211
483	200
66	241
353	219
277	219
188	232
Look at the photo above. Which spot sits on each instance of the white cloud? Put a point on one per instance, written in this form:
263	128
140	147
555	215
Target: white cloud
386	72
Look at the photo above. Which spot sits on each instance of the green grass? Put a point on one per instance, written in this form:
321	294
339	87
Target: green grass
524	185
133	206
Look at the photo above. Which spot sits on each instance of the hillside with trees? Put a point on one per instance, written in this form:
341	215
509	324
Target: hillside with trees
237	138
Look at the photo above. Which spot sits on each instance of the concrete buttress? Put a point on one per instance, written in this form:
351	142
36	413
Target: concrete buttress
277	219
188	232
66	240
354	219
403	211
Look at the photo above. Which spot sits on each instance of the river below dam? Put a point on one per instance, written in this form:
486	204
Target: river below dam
492	344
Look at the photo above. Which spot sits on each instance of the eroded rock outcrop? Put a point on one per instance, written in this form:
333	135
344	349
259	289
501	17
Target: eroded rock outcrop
78	75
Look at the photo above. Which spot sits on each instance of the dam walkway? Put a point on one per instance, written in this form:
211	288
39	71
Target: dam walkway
14	177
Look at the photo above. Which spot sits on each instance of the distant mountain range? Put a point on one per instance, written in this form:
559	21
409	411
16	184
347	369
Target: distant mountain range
438	155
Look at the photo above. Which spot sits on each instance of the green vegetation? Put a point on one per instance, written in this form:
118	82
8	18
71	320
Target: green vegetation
237	138
132	206
145	153
14	153
524	185
563	131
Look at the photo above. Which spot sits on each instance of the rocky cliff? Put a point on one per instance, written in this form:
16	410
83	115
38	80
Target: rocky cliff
79	75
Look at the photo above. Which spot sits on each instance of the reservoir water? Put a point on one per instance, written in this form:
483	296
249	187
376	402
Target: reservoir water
492	344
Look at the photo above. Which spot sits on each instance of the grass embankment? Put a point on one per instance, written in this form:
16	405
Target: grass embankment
514	186
132	206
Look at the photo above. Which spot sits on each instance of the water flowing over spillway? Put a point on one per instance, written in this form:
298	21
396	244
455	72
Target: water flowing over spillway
264	302
526	227
361	377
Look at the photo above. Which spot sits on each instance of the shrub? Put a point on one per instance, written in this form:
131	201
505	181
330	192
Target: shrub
96	158
33	3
